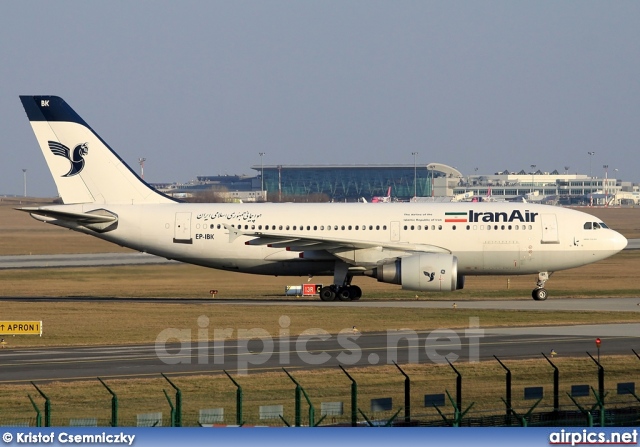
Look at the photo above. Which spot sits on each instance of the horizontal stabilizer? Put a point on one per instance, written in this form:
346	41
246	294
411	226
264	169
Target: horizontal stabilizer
98	220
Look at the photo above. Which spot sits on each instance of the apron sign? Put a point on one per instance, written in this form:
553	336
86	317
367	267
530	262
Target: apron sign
21	328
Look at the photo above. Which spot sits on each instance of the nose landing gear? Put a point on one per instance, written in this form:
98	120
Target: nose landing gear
540	293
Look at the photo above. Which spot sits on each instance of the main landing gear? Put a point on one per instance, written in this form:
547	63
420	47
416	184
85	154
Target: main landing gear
540	293
343	293
342	288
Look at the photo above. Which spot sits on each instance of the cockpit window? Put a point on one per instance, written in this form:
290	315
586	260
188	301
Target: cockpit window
594	225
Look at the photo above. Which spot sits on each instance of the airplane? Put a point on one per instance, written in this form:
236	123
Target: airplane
419	246
382	199
487	198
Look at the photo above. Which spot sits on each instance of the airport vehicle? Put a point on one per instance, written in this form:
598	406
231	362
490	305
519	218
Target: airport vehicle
420	246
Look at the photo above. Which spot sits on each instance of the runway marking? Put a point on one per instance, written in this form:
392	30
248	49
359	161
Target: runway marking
399	347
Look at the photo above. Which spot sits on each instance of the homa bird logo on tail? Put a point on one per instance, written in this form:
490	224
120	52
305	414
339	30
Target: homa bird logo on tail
75	157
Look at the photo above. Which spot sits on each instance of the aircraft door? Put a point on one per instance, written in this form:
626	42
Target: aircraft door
395	231
182	229
549	229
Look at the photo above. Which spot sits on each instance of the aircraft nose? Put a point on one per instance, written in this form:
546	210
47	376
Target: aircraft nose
619	242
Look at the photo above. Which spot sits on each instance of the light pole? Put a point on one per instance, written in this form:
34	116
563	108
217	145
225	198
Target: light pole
24	173
605	186
533	173
261	172
591	154
415	175
141	160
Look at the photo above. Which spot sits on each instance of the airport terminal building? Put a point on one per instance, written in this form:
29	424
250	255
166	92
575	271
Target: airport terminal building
352	182
434	181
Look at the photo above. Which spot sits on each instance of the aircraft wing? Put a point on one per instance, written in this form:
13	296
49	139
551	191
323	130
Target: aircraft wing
294	242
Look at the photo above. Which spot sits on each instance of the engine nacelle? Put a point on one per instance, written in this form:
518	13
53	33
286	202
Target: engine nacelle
429	272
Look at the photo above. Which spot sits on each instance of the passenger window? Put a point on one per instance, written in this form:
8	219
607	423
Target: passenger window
587	225
377	227
454	227
405	228
439	227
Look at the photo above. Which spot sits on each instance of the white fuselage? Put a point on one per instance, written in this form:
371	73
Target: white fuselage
487	238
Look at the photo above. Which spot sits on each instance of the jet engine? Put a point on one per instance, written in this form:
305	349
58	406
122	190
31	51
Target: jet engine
429	272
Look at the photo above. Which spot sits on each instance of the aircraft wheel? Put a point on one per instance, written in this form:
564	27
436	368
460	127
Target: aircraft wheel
539	294
356	293
344	293
327	294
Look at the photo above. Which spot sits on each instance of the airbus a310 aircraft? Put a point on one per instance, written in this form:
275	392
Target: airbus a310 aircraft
420	246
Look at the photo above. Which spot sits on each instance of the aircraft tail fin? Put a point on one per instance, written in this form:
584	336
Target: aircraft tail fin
84	168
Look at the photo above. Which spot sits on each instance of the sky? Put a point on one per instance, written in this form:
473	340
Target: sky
202	87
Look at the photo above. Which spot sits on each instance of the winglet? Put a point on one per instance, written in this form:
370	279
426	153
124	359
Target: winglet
234	233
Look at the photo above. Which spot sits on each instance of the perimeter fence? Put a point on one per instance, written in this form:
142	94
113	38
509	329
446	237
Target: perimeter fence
543	392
